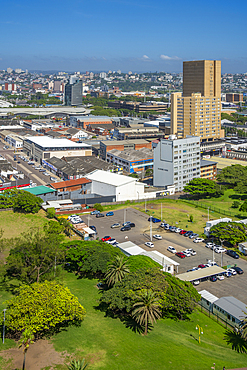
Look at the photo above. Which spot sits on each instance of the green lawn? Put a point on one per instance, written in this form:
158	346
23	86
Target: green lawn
107	344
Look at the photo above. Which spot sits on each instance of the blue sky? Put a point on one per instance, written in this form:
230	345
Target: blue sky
137	35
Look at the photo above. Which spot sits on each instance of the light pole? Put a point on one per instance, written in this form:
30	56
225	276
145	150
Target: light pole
138	196
208	213
145	205
4	310
124	215
151	237
161	212
200	332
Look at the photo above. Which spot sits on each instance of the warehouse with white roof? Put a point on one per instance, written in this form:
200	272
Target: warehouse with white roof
122	187
40	148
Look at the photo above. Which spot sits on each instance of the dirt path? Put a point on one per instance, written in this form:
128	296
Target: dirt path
41	354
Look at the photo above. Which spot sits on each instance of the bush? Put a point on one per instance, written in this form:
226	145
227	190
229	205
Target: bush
98	206
235	204
50	213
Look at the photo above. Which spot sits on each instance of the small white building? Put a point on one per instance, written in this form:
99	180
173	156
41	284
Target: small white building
243	248
131	249
15	141
209	224
207	299
122	187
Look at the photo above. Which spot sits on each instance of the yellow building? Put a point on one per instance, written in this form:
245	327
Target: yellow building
198	110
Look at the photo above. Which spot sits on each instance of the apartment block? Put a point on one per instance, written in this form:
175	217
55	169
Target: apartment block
176	161
208	169
234	98
198	110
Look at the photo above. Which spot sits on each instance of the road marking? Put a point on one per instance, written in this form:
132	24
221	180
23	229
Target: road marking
39	179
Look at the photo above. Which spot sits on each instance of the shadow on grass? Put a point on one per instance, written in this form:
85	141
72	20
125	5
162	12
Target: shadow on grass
130	323
238	196
236	341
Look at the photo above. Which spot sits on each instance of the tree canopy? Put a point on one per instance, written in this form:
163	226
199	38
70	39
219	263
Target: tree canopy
232	232
42	308
35	254
20	200
90	257
177	298
234	176
203	187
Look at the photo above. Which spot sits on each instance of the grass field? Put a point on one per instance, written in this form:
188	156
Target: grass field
107	344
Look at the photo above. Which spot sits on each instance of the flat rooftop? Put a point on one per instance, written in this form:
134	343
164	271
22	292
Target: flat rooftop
224	162
200	274
48	142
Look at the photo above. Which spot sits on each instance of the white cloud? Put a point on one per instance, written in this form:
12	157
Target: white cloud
166	57
145	57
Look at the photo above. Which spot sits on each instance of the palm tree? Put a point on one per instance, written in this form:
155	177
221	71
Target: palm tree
146	309
77	365
116	271
26	339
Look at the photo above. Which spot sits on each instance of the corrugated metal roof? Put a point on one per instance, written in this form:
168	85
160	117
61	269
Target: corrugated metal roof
64	184
208	296
232	306
199	274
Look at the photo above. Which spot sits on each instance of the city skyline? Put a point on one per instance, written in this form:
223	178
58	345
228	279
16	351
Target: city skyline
116	34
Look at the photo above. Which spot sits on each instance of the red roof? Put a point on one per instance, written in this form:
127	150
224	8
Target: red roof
65	184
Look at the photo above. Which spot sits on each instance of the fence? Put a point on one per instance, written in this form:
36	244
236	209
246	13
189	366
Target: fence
223	321
212	208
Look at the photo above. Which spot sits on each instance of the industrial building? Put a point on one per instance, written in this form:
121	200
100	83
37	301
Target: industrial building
136	144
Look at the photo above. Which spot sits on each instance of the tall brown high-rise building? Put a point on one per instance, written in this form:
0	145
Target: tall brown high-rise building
202	76
198	111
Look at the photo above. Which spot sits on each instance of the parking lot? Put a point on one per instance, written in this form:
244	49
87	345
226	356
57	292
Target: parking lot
235	285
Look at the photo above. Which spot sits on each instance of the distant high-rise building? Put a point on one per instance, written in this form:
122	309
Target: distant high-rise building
9	70
73	92
102	75
198	110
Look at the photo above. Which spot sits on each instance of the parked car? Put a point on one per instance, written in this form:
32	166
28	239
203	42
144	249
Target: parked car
177	230
198	240
154	219
201	266
111	241
126	223
182	232
232	253
110	213
98	215
171	249
95	212
196	282
186	253
194	235
149	244
105	238
172	228
180	254
209	245
93	228
125	228
220	277
232	271
188	233
228	273
166	227
238	270
115	225
220	250
157	236
131	224
213	278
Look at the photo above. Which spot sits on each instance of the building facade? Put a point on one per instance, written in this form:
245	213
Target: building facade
73	93
107	145
176	161
198	110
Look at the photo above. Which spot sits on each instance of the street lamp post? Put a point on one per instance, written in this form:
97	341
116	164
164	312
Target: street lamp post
151	236
161	212
138	196
145	205
200	332
4	310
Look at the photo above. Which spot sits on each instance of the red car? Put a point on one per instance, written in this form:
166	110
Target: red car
180	254
202	266
182	232
106	238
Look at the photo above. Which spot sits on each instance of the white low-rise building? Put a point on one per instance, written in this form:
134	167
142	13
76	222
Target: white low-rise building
122	187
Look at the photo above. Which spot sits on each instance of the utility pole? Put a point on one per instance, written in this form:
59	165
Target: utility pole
161	212
145	205
4	310
208	213
151	236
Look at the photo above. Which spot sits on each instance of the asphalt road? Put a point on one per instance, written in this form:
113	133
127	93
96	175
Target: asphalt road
233	286
37	177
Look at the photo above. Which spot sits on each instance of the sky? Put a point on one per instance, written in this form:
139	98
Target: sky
126	35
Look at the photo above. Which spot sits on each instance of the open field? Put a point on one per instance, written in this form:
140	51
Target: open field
107	344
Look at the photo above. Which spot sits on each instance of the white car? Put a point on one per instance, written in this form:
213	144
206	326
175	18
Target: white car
220	250
111	241
178	230
209	245
220	277
212	263
171	249
232	271
198	240
157	236
186	253
196	282
149	244
192	252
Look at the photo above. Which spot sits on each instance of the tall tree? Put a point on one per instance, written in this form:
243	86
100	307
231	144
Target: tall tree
41	308
203	187
35	254
116	271
233	175
232	232
146	309
26	339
